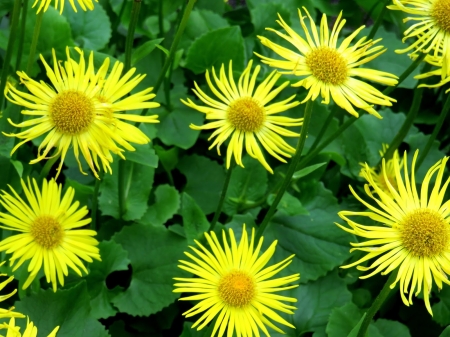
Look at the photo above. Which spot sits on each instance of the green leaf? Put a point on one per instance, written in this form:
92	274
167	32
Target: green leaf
154	253
205	179
441	310
392	328
265	16
144	49
194	221
67	308
90	29
446	332
139	181
319	245
114	258
18	166
242	189
346	320
7	143
289	205
83	193
166	205
167	157
206	53
307	170
143	155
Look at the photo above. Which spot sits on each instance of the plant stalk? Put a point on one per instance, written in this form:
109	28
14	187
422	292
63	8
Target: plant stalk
290	172
435	132
22	34
34	41
376	306
94	208
379	20
324	127
9	49
222	197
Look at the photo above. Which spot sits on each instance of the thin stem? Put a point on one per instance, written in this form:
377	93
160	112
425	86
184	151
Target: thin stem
22	34
34	41
173	48
292	168
160	19
379	20
376	305
94	209
324	127
9	49
222	197
435	132
119	17
128	50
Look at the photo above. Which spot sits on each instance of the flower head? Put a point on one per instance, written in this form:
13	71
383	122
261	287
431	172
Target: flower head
5	313
328	69
244	114
84	4
48	237
432	30
412	234
378	174
30	331
82	110
233	285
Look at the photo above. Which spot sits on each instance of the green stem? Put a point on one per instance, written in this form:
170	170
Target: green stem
292	168
406	73
435	132
47	167
379	20
222	197
34	41
160	19
94	209
173	48
324	127
128	50
9	49
22	34
119	17
376	305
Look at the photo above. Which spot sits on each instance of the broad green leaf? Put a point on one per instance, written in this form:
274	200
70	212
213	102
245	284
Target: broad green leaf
345	321
206	53
114	258
441	310
139	181
194	221
188	331
446	332
307	170
143	155
144	49
68	308
265	16
289	205
242	189
167	157
167	203
205	179
318	244
154	253
90	29
216	6
392	328
18	167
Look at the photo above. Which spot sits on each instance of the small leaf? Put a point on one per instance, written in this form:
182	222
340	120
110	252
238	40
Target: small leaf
166	205
143	155
307	170
288	205
144	49
194	221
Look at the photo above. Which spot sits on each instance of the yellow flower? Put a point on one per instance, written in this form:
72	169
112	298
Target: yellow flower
234	286
244	113
47	222
432	29
82	110
437	61
4	313
84	4
329	69
412	231
30	331
378	175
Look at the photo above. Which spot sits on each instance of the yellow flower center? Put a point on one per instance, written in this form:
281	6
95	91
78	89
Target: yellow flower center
246	114
46	231
425	233
327	65
237	289
441	14
72	112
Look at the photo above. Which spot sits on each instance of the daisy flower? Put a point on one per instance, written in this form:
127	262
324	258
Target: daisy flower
48	236
82	110
412	234
234	285
59	4
327	69
5	313
245	114
30	330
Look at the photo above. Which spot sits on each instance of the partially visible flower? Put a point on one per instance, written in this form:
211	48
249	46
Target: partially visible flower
431	32
234	285
30	330
82	111
377	173
411	236
5	313
49	238
245	114
328	69
437	61
84	4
